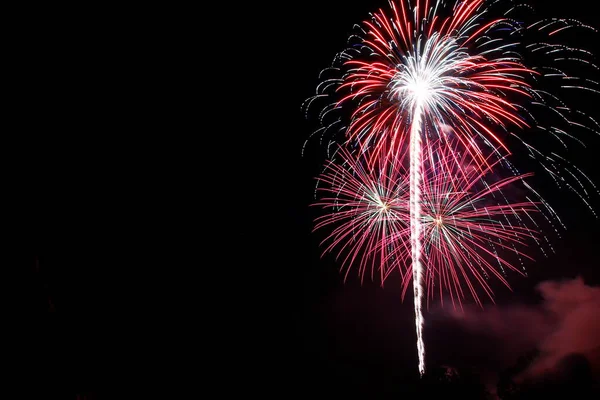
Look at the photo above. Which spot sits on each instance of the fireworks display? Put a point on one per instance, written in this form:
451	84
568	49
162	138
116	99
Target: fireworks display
430	96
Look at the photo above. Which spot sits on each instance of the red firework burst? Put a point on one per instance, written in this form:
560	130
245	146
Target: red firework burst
469	227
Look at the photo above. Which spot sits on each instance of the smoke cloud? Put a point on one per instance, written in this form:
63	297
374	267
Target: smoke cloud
566	322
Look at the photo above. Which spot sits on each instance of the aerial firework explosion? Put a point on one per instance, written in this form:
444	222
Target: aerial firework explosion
422	77
468	223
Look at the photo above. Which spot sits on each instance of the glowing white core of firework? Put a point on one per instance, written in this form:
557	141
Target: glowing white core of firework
415	227
419	89
382	205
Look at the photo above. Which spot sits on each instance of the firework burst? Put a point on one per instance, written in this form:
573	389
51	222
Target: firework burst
470	225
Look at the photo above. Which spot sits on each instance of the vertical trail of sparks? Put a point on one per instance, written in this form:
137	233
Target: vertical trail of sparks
415	228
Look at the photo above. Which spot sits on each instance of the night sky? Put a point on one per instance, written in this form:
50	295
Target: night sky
285	323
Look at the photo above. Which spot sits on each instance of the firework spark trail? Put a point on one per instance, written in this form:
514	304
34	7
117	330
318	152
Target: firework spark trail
415	228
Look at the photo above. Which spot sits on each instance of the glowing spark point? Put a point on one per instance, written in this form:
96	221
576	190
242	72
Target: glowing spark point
384	207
